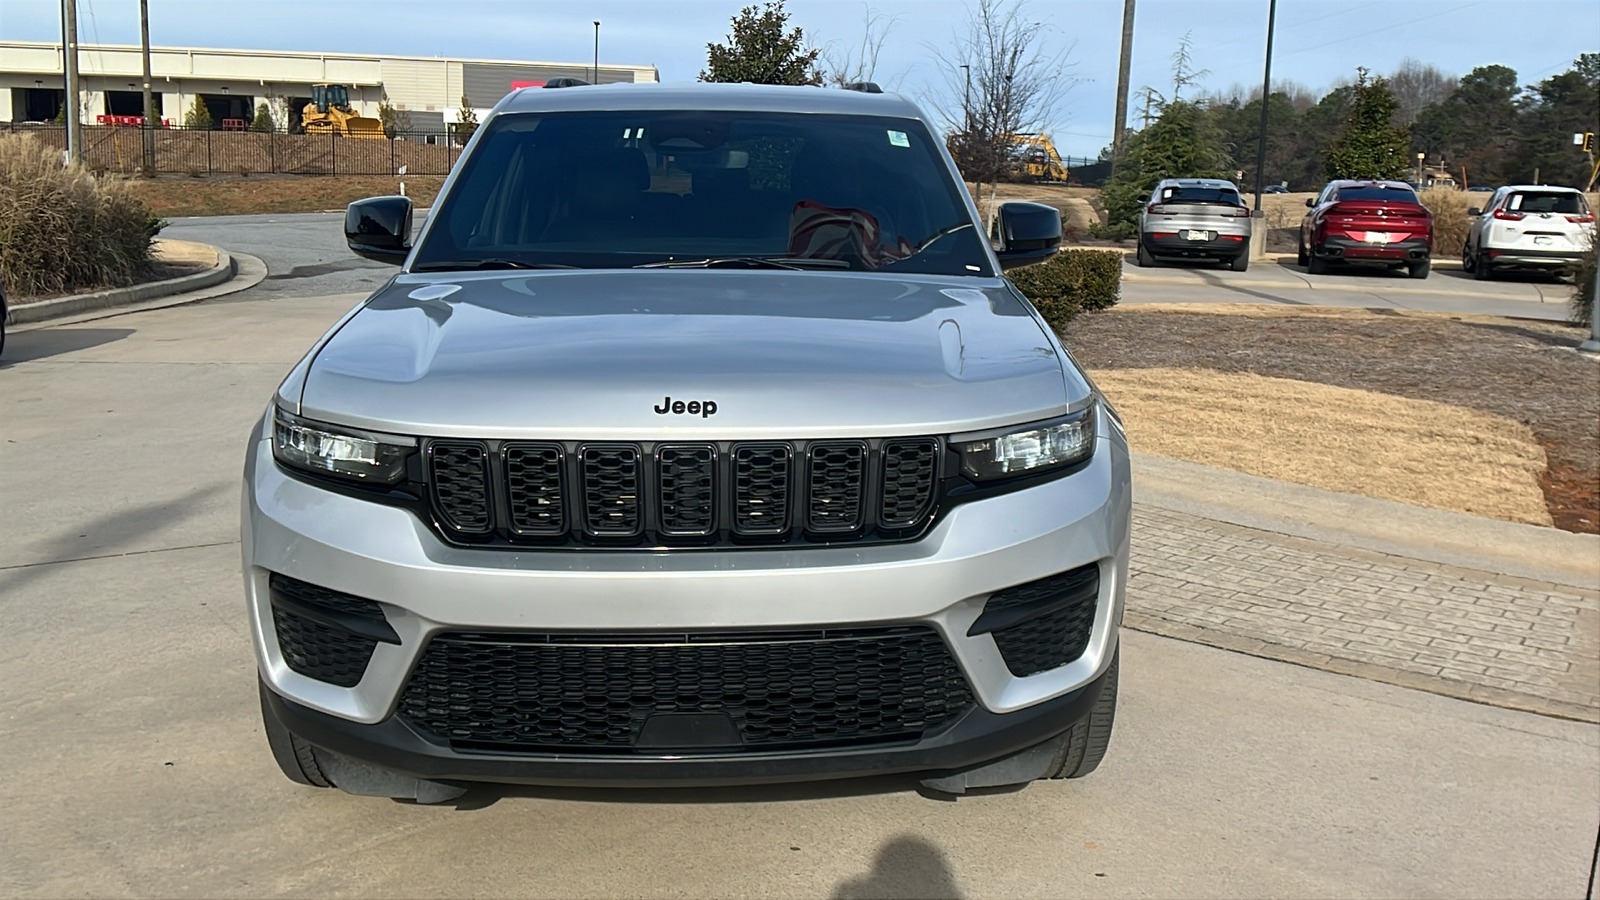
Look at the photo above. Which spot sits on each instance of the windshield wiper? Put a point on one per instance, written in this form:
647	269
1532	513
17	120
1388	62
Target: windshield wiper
492	263
748	262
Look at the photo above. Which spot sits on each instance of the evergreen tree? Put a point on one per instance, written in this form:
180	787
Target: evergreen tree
1184	142
198	116
1369	146
396	120
1556	109
1477	126
760	52
466	121
263	121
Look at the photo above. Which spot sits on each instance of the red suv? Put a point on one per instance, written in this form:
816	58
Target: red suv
1367	221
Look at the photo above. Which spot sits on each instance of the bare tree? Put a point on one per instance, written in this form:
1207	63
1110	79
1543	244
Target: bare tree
1416	86
1004	82
1184	73
850	63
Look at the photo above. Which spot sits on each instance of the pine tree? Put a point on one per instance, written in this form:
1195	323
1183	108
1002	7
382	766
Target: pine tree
263	121
395	120
758	50
1369	146
466	121
1184	142
198	116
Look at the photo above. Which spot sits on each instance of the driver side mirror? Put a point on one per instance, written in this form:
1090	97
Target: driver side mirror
1029	233
379	228
1474	211
1311	202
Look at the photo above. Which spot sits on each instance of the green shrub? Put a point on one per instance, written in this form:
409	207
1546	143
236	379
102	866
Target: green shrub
1583	286
1071	282
62	229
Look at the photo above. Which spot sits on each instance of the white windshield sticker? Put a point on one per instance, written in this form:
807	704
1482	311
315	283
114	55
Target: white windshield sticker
899	139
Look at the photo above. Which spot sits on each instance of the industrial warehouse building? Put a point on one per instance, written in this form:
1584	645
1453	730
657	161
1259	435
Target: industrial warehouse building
427	91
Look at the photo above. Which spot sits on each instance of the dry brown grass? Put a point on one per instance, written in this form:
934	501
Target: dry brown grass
1351	441
63	229
1450	220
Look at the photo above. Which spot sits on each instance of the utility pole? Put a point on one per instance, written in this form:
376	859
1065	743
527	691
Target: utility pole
150	117
1258	216
69	62
1121	125
966	102
596	51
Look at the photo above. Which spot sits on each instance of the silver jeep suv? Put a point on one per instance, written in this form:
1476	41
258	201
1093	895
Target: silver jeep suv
698	439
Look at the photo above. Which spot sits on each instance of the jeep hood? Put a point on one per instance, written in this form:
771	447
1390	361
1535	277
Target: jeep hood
594	354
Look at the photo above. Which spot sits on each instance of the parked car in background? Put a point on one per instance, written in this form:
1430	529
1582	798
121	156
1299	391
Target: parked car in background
1195	218
1481	189
1530	227
1274	189
1370	222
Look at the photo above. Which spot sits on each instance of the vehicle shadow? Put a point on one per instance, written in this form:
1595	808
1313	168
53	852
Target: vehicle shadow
482	795
43	343
906	867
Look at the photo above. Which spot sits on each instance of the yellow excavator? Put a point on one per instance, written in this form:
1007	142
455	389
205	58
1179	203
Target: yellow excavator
329	112
1037	159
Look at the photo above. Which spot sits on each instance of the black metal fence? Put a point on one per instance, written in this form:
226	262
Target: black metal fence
200	151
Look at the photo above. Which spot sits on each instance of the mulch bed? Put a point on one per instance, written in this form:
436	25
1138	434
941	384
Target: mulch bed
1523	370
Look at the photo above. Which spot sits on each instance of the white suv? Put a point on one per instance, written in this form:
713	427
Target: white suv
1528	226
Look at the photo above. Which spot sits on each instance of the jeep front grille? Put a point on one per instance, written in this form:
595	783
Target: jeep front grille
533	493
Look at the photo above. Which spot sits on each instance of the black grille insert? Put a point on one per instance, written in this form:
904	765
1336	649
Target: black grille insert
687	478
1043	624
324	634
593	693
712	493
837	470
533	488
459	471
611	490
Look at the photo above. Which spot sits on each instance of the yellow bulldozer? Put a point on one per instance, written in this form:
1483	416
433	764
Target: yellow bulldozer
1037	159
329	112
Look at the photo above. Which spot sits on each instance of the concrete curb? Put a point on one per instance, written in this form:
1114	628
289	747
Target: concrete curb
225	269
1475	693
1459	540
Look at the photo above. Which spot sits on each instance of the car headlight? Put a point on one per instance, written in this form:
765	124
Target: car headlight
1028	449
348	453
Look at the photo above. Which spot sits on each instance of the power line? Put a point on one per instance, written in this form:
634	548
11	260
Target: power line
1371	31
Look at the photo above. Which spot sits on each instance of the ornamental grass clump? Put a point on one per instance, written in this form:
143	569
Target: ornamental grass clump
64	230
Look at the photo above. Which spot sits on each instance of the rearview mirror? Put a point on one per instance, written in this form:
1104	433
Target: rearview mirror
1029	233
1474	211
379	228
1311	202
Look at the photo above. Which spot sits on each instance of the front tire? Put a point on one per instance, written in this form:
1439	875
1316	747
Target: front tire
1469	261
1301	258
295	758
1090	738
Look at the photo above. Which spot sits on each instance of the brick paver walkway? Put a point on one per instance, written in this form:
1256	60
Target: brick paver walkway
1479	636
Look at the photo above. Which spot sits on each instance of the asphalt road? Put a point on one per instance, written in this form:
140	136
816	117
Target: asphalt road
135	764
305	253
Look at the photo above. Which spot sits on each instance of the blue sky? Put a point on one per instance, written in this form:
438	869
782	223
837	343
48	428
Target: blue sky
1318	41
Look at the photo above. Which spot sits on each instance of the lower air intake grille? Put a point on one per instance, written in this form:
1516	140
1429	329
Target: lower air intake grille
315	648
1060	632
593	693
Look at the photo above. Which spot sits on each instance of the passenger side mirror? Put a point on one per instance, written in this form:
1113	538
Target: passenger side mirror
1029	233
379	228
1474	211
1311	202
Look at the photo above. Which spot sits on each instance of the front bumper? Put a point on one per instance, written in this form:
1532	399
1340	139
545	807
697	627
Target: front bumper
426	587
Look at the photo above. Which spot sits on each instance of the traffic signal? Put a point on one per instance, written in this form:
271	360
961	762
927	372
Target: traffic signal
1588	142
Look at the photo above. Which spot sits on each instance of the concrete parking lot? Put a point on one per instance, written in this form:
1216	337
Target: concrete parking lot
137	767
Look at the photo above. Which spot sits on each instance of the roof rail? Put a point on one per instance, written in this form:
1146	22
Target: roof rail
565	82
865	87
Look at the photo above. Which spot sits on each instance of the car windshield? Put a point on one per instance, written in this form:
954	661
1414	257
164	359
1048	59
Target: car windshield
1547	202
684	188
1378	192
1182	194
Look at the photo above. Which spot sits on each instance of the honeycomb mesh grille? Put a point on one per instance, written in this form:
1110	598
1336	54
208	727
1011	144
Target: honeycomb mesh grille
688	500
908	475
579	693
460	476
533	486
303	592
836	474
611	491
761	489
1057	637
